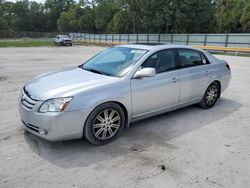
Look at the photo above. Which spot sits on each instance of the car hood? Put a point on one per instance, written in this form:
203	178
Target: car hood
65	82
65	38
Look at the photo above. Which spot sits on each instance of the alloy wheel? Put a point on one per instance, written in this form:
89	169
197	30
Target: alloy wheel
211	95
106	124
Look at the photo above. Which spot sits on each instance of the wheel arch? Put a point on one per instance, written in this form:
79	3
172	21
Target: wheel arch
116	102
124	110
219	84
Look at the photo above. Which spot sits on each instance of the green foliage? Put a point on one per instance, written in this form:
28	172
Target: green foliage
196	16
127	16
245	18
53	9
68	21
120	23
232	15
24	43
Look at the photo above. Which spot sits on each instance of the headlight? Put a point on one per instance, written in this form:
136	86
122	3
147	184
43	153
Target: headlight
55	105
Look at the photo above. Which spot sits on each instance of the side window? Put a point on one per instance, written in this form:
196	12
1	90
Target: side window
204	59
190	58
162	61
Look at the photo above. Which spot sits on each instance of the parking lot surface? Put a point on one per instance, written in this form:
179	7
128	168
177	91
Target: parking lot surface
190	147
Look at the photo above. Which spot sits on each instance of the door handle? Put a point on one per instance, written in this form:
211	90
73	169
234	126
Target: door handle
207	72
174	79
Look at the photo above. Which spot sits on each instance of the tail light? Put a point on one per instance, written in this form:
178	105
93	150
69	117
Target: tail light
228	67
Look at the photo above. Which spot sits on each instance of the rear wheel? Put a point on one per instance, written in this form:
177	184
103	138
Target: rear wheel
211	95
104	124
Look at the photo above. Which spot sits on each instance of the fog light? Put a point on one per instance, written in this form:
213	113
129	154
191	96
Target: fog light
42	131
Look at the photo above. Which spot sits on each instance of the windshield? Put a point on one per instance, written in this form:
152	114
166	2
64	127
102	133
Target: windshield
116	61
63	36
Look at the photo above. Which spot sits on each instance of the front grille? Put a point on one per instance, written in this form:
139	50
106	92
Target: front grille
27	101
31	127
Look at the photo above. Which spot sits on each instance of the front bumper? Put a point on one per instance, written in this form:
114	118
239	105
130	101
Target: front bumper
67	42
53	126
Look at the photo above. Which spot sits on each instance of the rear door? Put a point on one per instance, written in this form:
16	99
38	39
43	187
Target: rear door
194	74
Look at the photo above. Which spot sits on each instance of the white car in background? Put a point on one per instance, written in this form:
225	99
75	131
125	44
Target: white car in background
62	40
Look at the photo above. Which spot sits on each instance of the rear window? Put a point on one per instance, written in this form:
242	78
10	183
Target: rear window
190	58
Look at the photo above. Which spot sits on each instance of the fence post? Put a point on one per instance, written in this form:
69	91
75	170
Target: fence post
112	38
226	42
147	38
172	38
89	37
187	39
205	40
128	38
137	38
159	38
119	38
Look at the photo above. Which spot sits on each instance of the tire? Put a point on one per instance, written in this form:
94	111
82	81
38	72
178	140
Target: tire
104	124
210	96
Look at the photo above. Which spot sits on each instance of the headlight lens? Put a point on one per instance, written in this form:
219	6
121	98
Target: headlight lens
55	105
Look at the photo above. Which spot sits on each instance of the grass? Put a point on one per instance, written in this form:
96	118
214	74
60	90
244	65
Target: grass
25	43
93	43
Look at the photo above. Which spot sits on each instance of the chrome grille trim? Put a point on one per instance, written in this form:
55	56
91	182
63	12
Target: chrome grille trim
27	101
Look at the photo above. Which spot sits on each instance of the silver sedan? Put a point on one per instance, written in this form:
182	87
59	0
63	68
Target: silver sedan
118	86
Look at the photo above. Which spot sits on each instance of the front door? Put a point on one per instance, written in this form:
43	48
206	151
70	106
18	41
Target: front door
150	94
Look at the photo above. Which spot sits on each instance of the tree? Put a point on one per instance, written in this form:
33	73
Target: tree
127	16
121	22
134	8
245	18
87	21
3	23
53	9
196	16
104	13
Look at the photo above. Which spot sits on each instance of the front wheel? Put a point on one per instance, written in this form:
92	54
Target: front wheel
104	124
211	95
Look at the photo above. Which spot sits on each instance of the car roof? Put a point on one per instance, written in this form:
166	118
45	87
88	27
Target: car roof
162	46
63	35
156	47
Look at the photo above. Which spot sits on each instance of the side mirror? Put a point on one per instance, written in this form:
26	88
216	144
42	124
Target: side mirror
145	72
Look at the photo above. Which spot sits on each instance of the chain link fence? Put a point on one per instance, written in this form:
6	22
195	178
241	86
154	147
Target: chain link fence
225	40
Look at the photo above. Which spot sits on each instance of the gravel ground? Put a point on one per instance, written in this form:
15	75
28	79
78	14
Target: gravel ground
190	147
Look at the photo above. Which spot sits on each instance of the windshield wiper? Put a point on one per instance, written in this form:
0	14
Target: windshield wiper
93	70
96	71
